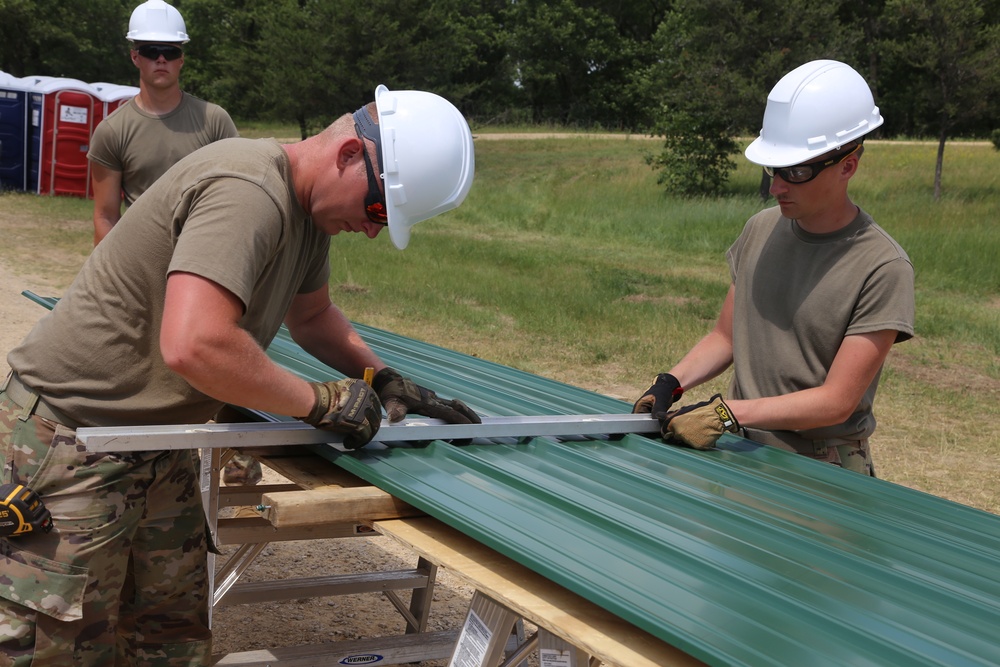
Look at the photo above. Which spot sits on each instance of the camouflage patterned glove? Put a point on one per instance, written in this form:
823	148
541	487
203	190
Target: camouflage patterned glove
346	406
401	395
699	425
664	392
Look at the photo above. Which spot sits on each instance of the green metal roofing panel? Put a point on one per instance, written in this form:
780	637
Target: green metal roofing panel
743	555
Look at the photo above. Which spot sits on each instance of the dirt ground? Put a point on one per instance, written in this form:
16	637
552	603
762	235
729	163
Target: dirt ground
296	622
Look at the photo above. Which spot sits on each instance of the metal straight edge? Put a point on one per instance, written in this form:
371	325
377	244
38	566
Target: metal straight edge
270	434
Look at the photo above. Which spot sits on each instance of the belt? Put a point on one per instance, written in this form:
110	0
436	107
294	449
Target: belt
31	403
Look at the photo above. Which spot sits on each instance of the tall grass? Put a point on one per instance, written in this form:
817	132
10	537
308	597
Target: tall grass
568	260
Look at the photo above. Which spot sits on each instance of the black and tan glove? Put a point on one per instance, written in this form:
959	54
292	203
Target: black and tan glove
346	406
699	425
401	395
664	392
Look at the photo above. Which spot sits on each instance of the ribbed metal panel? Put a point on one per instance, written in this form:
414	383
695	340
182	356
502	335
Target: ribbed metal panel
489	388
751	557
745	555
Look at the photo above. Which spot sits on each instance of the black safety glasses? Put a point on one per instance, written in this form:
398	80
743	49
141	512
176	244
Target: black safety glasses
803	173
154	51
374	201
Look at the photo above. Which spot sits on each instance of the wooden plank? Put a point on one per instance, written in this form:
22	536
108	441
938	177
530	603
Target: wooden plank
333	505
308	470
538	600
243	496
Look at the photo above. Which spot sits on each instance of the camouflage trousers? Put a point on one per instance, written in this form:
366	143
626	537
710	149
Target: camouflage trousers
853	455
122	578
242	470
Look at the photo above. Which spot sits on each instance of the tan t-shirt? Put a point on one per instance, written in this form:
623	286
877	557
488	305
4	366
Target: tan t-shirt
142	146
797	296
227	212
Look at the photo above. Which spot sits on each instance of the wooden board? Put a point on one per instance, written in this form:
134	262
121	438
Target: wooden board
328	504
535	598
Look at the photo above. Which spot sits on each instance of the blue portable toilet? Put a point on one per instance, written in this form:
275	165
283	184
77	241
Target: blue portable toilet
14	133
34	132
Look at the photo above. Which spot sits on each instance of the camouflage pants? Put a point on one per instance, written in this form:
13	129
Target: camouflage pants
113	514
853	455
242	470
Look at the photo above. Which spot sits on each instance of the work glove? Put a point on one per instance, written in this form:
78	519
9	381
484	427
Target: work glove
401	395
346	406
664	392
699	425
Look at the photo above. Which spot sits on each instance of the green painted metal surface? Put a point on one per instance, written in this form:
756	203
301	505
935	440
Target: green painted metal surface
744	555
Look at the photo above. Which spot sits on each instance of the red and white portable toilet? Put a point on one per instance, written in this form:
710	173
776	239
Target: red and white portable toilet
113	95
14	132
64	115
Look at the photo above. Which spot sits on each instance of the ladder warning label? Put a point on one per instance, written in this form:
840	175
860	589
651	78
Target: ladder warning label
548	657
473	642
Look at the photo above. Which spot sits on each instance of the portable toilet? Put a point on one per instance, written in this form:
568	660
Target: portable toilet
14	133
66	112
112	96
34	127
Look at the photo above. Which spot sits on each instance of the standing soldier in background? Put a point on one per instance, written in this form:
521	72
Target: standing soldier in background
819	292
143	138
137	143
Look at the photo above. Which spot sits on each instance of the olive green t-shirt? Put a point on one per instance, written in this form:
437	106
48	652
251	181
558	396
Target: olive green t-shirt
227	212
797	295
142	146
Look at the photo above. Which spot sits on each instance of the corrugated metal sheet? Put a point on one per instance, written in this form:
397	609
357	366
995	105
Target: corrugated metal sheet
746	555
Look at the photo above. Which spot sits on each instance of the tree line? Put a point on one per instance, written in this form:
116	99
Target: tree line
695	72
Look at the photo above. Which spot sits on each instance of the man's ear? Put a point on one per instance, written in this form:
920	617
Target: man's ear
850	165
348	150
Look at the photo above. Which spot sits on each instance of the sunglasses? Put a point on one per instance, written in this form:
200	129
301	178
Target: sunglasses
374	201
803	173
154	51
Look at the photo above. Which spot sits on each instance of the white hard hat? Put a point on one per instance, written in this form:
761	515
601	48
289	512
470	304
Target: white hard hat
426	158
812	110
156	21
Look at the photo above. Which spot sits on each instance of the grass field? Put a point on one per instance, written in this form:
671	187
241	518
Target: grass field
568	260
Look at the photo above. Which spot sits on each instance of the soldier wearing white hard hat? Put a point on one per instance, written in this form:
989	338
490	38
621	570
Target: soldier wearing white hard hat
819	294
168	321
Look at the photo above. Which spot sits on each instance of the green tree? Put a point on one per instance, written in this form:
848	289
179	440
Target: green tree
78	40
312	60
573	61
948	54
716	61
